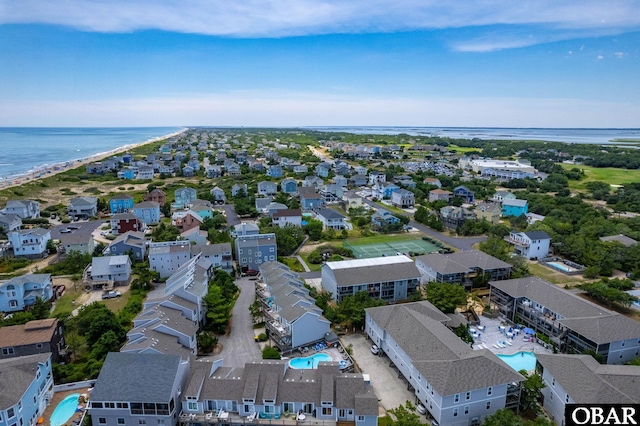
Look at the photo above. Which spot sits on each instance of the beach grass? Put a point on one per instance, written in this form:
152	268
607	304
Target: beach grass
609	175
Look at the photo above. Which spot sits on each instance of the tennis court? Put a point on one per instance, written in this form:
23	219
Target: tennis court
366	251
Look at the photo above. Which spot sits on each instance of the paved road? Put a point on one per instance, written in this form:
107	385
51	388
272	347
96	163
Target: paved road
460	243
230	212
238	347
310	275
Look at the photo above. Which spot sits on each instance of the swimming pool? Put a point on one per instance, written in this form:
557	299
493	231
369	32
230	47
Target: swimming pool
64	410
561	266
309	361
520	360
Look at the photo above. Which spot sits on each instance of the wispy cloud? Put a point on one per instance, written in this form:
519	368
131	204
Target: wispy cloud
266	108
279	18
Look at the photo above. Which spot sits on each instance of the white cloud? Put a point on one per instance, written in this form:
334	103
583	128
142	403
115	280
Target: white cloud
313	109
619	55
277	18
600	57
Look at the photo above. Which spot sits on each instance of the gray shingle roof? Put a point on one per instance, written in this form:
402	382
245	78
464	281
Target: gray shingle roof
605	329
588	382
20	372
374	270
622	239
136	377
461	262
537	235
448	363
514	202
331	214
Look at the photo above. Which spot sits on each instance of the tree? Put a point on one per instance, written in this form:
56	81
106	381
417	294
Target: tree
255	310
497	247
218	309
108	342
504	417
446	297
164	232
96	319
270	352
530	393
351	309
313	228
406	415
206	342
462	331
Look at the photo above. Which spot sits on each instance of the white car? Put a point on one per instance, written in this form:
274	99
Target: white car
111	295
421	408
375	350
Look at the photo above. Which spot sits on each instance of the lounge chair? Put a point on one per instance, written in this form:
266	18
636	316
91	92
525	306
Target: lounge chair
509	343
496	346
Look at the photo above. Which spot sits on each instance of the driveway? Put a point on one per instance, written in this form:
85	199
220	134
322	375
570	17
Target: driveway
390	389
238	346
230	213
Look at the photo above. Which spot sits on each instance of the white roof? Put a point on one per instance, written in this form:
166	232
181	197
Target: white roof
374	261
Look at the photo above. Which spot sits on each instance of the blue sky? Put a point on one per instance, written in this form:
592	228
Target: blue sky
320	63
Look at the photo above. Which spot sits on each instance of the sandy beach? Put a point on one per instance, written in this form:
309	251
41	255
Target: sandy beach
54	169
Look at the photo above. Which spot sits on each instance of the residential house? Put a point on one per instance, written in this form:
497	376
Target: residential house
183	197
500	196
489	212
310	199
83	207
267	188
156	195
391	278
252	250
34	337
10	222
288	217
418	341
440	194
514	208
262	204
433	182
351	200
218	195
31	243
246	229
383	190
127	173
572	323
213	171
218	254
148	212
533	218
453	217
273	208
376	177
289	186
125	222
203	209
256	165
531	244
382	219
403	199
167	257
188	171
239	188
186	219
20	292
360	170
26	209
146	172
322	170
464	193
564	377
115	269
331	219
27	389
621	239
300	169
77	237
313	181
290	313
358	180
120	203
464	267
129	242
195	236
232	168
275	171
340	180
136	388
270	389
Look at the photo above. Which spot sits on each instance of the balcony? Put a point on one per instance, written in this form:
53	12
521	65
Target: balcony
277	328
236	419
516	241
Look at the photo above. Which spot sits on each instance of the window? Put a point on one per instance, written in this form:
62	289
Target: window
192	406
466	410
489	391
102	420
11	413
7	351
13	303
160	421
122	405
326	411
142	421
456	397
468	396
488	404
455	412
567	398
553	382
121	420
39	345
96	405
288	407
361	418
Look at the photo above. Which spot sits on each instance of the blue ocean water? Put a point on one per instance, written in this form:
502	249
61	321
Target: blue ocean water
26	149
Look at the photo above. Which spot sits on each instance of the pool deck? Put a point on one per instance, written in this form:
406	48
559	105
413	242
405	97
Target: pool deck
492	335
57	397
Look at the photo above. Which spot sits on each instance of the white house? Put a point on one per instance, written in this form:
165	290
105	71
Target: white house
457	385
403	199
282	218
30	243
531	244
331	219
10	222
26	209
111	268
166	257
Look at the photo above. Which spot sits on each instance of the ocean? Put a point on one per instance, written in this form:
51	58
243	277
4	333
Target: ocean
26	150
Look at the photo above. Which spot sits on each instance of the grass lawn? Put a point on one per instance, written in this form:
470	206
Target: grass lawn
608	175
463	149
118	303
66	302
293	264
545	273
382	238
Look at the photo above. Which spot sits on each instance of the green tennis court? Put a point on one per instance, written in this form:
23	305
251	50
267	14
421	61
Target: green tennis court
391	248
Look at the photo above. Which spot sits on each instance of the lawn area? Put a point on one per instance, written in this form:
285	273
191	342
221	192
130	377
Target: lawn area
66	302
545	273
115	305
463	149
382	238
293	264
608	175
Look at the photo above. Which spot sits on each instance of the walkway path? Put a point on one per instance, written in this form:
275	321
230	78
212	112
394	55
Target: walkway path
303	263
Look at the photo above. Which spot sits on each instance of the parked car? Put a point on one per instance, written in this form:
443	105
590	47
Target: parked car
375	349
252	272
111	295
421	408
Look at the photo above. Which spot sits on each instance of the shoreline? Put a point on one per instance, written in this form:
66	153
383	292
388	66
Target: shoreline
46	170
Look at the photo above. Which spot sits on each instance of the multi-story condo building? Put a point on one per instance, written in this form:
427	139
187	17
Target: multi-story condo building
252	249
462	267
459	386
392	278
167	257
573	324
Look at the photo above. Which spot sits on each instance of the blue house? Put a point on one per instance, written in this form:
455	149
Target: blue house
380	220
310	199
148	212
126	173
275	171
514	208
322	169
132	241
120	203
289	186
464	193
183	196
28	388
21	292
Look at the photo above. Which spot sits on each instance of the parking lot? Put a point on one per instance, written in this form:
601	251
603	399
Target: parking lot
390	389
